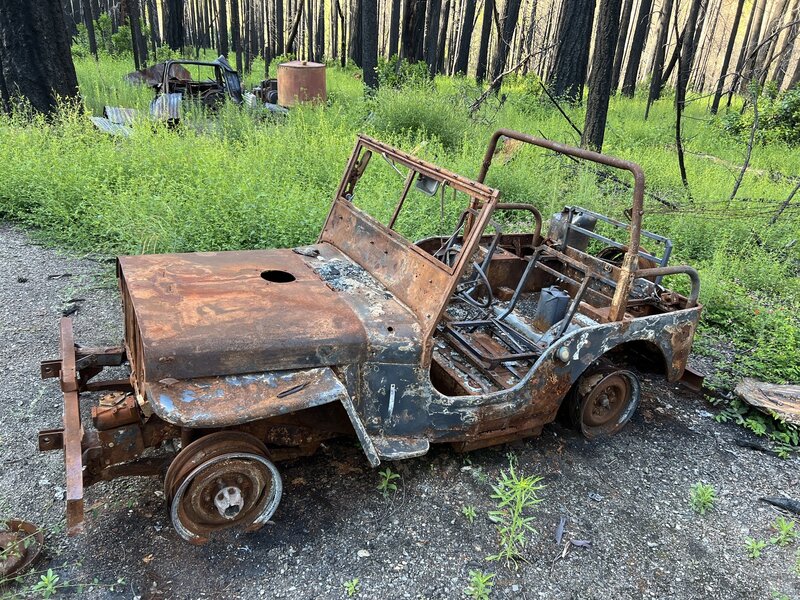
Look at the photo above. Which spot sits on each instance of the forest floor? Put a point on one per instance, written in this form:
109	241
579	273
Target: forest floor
629	496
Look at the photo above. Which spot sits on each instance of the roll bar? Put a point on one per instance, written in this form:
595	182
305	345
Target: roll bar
630	262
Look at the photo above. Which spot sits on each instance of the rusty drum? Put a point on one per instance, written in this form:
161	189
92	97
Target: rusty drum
301	81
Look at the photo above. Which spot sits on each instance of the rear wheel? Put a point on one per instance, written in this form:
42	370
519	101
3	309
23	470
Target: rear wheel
603	401
221	481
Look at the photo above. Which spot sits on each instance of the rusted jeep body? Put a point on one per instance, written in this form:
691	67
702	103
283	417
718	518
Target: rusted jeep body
475	337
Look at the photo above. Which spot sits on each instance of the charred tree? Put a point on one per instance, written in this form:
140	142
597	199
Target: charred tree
486	34
637	46
369	41
278	35
788	45
684	68
465	39
441	44
509	23
600	80
174	10
619	53
88	20
35	58
155	29
654	93
356	33
222	46
752	43
767	51
394	28
413	37
568	73
236	34
319	33
432	15
726	59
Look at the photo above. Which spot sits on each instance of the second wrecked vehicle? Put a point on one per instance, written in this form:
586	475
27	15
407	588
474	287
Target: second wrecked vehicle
475	336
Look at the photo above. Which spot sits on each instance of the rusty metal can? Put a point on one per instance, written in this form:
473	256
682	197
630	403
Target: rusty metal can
301	81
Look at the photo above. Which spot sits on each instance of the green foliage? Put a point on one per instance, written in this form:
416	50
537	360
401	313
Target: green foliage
469	513
754	547
352	587
785	531
399	74
480	585
779	118
702	497
387	483
515	497
419	114
47	585
785	436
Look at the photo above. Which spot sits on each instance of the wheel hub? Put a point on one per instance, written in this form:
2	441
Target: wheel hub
607	401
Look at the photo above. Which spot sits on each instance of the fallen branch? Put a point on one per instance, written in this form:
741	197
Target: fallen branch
783	205
473	108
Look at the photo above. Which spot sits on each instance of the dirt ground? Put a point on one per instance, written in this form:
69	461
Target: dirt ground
629	496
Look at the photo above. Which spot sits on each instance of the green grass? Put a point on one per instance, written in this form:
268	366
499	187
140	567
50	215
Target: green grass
253	183
702	497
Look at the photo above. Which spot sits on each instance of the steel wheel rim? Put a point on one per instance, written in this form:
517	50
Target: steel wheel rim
264	507
609	404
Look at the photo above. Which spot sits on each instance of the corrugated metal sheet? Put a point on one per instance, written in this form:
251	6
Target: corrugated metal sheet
120	116
167	106
108	127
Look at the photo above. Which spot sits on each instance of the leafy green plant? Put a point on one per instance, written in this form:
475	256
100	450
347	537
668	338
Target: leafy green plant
480	585
515	497
702	497
352	587
754	547
47	585
468	512
785	530
387	483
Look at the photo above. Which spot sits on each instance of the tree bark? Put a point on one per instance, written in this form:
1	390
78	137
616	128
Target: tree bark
486	34
222	47
441	45
465	39
568	74
726	60
88	20
788	46
766	53
684	68
509	23
35	58
295	28
654	92
236	34
755	36
606	35
432	15
394	28
413	38
637	47
174	24
356	34
619	53
369	40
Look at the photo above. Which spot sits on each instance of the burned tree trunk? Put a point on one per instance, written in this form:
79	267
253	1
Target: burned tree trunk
35	58
788	45
369	40
441	45
222	47
432	34
174	24
568	74
412	43
236	34
356	33
654	92
637	47
726	60
394	28
278	26
465	39
486	34
509	23
600	80
88	19
619	53
684	68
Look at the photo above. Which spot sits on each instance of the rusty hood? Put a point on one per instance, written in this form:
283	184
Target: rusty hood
208	314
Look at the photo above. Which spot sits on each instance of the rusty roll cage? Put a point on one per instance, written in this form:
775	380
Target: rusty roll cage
628	269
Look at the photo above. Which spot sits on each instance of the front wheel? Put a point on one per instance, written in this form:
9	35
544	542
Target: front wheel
603	401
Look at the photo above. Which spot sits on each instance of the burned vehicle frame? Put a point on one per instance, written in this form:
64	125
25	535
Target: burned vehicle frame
238	360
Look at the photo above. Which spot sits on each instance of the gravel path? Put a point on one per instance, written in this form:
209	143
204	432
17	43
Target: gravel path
629	496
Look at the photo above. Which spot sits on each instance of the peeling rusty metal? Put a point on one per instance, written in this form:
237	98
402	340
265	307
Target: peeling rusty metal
366	333
20	545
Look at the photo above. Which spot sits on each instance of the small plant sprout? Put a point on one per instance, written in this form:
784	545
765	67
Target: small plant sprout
786	531
352	587
480	585
754	547
387	484
702	497
47	585
468	512
515	496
